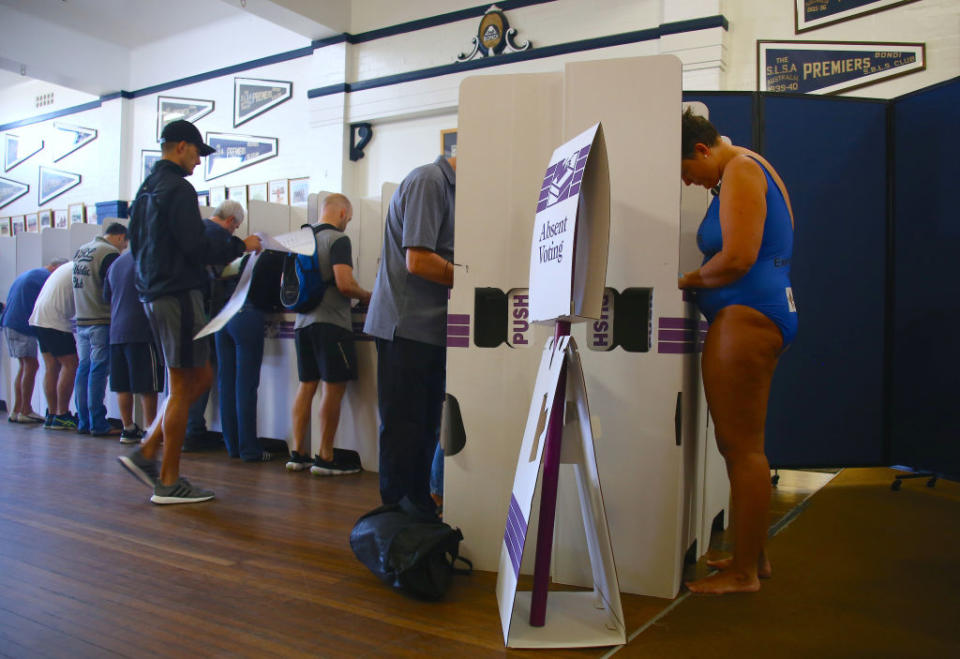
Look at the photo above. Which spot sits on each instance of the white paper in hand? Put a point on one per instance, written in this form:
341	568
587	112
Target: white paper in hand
234	304
298	242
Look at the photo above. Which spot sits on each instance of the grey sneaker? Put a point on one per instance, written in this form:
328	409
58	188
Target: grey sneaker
180	492
141	467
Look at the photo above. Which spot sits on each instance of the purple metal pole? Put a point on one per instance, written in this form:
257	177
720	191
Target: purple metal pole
548	493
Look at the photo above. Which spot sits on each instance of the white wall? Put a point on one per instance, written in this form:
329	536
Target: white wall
935	22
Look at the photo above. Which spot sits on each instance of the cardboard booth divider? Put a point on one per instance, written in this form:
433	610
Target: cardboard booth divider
653	469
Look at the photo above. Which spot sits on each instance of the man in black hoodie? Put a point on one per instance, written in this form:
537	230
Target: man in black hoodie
171	251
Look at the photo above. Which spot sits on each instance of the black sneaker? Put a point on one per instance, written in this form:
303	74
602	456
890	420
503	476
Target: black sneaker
334	467
48	419
346	456
132	436
298	462
265	456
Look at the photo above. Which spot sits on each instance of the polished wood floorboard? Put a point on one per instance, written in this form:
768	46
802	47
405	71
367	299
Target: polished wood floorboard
89	568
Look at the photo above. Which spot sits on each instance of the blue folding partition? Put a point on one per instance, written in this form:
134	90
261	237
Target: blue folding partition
826	404
925	391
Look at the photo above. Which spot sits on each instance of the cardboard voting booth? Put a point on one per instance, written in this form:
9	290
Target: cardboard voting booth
640	357
567	267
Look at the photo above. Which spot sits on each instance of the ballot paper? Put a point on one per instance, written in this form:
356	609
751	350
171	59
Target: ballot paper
298	242
234	304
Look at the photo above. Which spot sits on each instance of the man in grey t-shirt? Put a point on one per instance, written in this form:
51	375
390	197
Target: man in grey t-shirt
325	350
408	315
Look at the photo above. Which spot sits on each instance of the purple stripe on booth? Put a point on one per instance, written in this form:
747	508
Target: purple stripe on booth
672	348
514	534
458	341
677	323
458	330
458	319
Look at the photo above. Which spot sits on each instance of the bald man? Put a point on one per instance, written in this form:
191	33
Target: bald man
326	357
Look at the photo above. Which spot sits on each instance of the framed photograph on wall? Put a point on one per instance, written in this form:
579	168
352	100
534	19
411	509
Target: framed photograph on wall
60	219
17	224
77	213
46	218
5	227
257	191
203	198
277	191
217	194
92	214
448	143
32	222
299	191
148	158
238	193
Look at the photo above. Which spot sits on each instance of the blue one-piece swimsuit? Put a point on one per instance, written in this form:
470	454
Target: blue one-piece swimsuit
766	286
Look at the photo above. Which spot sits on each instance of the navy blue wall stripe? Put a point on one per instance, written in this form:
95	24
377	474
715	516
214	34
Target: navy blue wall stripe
442	19
92	105
227	70
547	51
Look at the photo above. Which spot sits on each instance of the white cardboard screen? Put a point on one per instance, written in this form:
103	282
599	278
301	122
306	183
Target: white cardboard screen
574	619
573	215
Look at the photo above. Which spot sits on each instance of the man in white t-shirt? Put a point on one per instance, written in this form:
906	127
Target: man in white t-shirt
52	317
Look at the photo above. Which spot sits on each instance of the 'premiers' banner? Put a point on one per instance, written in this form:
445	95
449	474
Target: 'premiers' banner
829	67
811	14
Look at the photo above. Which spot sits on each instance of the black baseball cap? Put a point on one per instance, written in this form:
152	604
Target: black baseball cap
182	130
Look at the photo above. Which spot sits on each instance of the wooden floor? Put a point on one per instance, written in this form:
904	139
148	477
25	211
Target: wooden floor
89	568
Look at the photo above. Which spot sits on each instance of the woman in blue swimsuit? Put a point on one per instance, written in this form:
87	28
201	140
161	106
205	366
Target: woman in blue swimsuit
743	288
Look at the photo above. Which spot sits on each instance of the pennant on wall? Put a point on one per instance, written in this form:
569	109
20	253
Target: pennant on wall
252	97
17	149
11	190
236	152
811	14
54	182
73	137
829	67
170	108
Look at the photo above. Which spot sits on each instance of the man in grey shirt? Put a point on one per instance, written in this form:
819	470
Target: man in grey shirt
408	316
325	350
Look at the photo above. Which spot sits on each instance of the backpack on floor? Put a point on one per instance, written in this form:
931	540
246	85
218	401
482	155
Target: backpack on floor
302	285
412	551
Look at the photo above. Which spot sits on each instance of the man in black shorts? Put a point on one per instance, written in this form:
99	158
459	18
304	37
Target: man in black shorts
171	251
52	319
325	350
135	363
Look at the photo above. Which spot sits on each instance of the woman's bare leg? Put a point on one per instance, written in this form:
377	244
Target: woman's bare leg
739	357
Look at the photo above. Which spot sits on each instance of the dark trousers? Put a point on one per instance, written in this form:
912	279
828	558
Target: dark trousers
411	378
240	354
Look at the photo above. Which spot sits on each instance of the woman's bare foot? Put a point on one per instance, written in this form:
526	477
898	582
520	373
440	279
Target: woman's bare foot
729	581
764	569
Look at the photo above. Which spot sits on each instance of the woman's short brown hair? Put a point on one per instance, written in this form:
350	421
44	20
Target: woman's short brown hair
695	129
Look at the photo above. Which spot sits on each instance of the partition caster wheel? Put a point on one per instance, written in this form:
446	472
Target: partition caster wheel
932	482
895	485
775	479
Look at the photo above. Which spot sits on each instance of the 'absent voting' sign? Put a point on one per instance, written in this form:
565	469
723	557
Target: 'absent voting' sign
568	255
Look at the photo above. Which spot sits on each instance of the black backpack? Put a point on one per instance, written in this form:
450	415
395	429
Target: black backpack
412	551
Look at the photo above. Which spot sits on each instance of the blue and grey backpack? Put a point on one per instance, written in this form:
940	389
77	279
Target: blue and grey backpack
302	285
